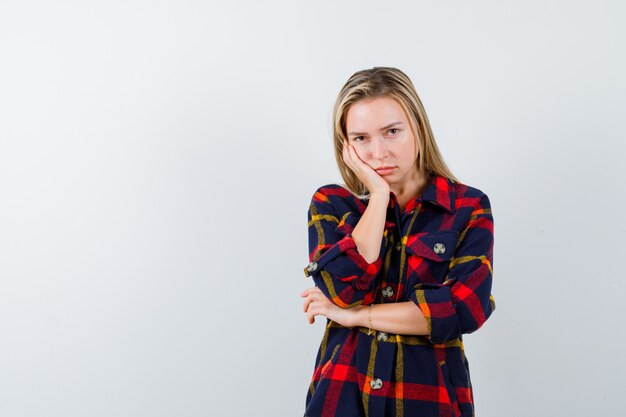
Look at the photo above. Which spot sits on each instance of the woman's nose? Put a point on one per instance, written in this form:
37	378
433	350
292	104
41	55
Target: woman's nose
379	150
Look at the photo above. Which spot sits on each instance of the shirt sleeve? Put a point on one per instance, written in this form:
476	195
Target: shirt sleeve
336	266
464	301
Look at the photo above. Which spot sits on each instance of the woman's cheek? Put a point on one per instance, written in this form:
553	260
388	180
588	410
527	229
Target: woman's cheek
360	152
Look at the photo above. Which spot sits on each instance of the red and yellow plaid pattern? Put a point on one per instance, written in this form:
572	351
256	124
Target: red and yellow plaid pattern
436	252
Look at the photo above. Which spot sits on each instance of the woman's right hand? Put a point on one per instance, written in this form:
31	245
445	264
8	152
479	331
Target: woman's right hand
374	183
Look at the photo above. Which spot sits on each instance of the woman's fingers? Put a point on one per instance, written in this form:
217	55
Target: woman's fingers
307	303
306	292
349	156
354	159
310	315
309	295
365	173
346	154
314	303
310	311
309	291
316	308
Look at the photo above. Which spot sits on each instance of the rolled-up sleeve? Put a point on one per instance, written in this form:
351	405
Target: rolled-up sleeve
464	301
336	266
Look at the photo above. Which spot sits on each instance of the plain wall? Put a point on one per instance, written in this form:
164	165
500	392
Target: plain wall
157	159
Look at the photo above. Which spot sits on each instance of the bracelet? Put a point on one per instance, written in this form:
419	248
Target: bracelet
369	316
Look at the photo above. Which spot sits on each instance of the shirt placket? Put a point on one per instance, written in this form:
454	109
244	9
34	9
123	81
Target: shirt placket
395	275
383	352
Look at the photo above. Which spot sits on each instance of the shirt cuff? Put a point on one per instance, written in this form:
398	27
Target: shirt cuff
342	260
435	303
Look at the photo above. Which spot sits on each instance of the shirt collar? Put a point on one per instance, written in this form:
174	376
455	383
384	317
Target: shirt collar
439	190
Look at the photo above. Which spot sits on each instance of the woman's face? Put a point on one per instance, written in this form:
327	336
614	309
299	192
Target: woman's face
380	132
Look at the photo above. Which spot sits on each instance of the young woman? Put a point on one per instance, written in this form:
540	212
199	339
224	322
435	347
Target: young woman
401	260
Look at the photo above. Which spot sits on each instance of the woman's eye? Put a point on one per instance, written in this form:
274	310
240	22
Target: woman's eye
393	131
358	138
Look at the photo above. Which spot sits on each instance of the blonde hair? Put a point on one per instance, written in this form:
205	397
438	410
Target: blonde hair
393	83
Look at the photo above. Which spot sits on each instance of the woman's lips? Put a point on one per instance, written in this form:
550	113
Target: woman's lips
385	170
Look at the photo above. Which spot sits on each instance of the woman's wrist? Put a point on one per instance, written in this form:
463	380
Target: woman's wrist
380	196
360	316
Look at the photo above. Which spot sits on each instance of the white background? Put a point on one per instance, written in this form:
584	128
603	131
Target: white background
157	159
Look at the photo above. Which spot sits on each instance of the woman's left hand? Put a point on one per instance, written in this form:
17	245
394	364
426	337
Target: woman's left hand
316	304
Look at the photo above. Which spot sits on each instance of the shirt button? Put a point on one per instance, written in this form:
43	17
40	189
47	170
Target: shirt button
376	383
310	268
439	248
382	336
412	211
399	246
387	292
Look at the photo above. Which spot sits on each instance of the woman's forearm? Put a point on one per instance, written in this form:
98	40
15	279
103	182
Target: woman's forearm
399	318
368	233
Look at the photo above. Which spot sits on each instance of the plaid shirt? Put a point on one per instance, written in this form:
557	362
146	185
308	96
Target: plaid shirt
436	252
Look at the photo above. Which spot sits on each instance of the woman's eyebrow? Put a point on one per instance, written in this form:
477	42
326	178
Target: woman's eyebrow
390	125
357	133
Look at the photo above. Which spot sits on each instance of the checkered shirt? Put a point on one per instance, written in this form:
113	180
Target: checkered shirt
438	253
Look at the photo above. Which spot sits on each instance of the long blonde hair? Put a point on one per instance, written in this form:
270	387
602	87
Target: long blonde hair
393	83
